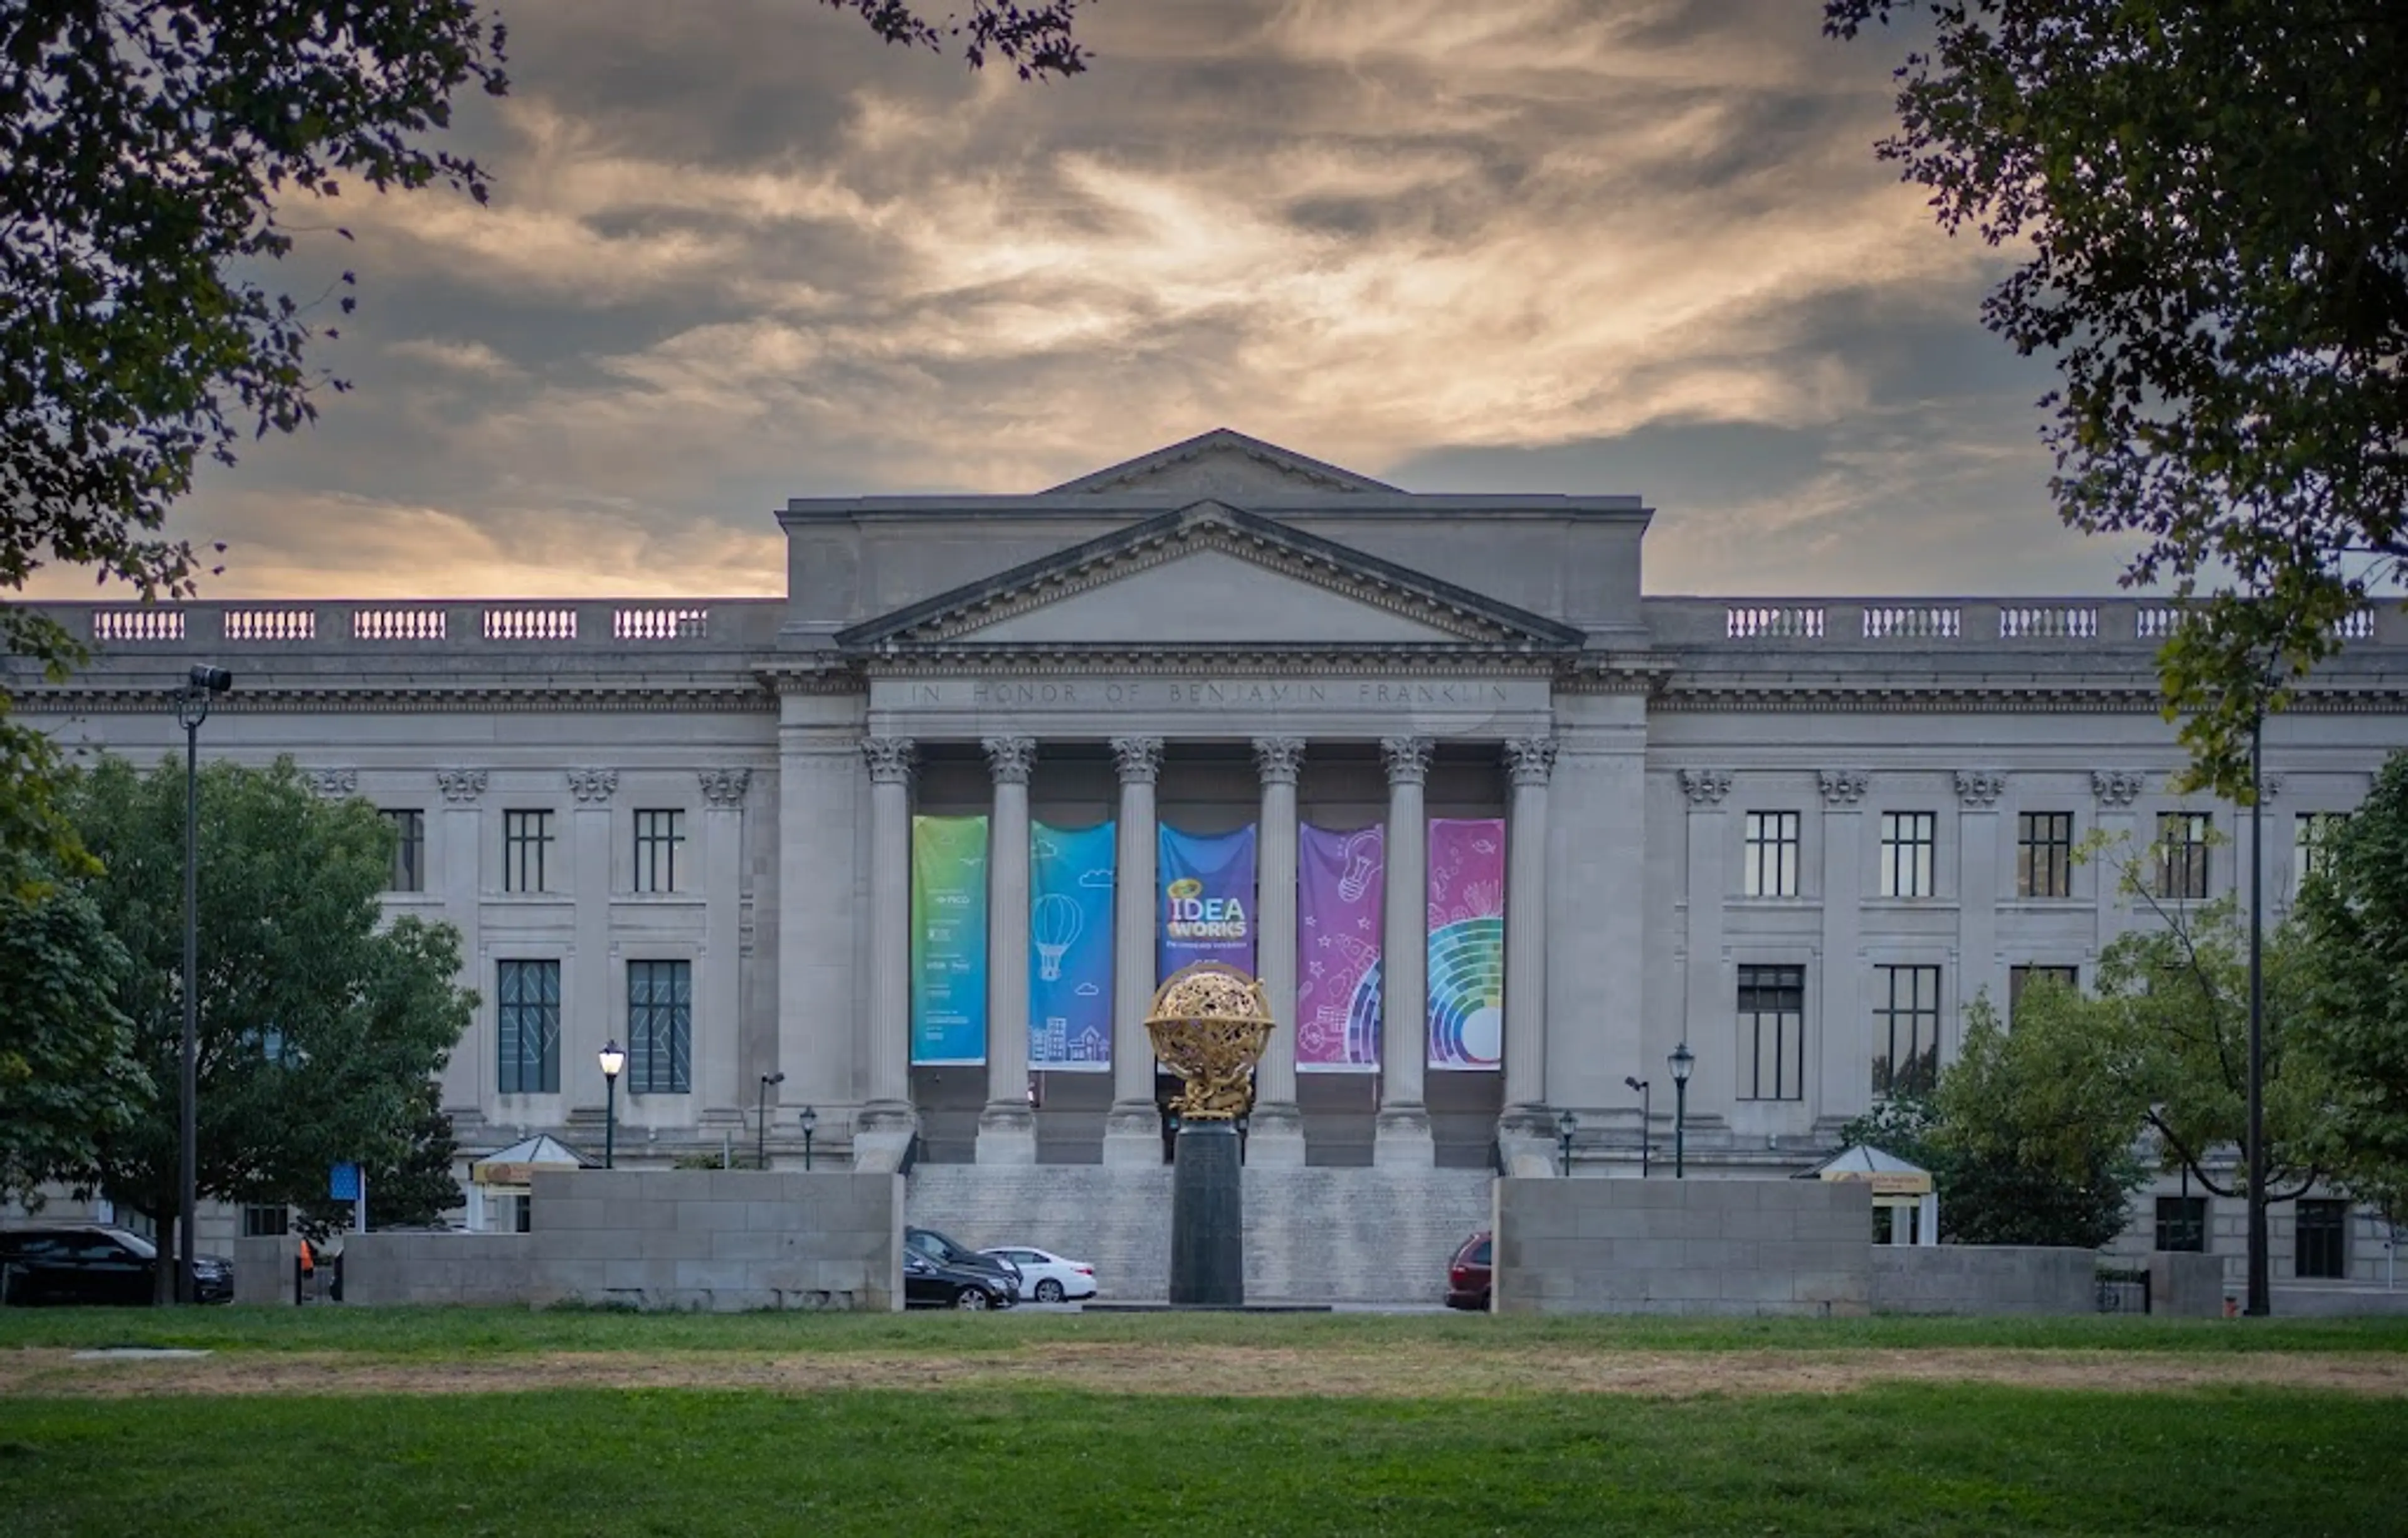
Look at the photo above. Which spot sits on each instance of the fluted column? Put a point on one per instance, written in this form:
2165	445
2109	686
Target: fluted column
718	1044
1530	762
1133	1129
1403	1133
1275	1131
1007	1133
887	1120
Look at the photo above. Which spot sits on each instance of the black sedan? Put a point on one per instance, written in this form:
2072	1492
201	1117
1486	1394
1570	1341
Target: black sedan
932	1283
1002	1276
94	1263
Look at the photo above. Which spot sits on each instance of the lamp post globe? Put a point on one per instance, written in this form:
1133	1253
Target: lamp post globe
811	1119
203	684
1683	1060
613	1058
1566	1125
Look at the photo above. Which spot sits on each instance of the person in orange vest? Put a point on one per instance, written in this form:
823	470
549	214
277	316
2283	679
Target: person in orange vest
308	1266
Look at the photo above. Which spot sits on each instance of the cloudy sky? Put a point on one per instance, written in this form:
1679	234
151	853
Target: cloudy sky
740	251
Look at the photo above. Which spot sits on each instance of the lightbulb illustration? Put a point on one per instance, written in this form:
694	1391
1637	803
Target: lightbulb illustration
1362	856
1054	923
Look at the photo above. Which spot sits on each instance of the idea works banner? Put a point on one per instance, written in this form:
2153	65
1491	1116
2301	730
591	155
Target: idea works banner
1467	942
1338	911
948	939
1071	948
1208	900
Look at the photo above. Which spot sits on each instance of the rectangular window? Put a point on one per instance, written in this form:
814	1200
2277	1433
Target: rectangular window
2182	1224
1772	1032
1772	861
2320	1240
1907	842
408	850
660	1027
658	834
2181	854
1906	1022
266	1222
2309	843
2021	978
526	850
527	1025
2043	854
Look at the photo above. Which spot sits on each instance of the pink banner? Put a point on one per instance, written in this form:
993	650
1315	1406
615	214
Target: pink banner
1338	877
1467	943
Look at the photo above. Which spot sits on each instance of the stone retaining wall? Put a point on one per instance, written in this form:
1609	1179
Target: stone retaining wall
1984	1279
1681	1247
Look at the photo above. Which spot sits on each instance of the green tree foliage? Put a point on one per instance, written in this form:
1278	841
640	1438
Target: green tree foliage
2353	1010
320	1025
2213	198
67	1076
409	1177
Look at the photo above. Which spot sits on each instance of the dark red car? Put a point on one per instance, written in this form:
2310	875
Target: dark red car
1466	1274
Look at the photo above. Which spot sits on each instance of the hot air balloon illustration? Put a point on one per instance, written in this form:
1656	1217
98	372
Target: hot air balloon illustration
1362	854
1054	923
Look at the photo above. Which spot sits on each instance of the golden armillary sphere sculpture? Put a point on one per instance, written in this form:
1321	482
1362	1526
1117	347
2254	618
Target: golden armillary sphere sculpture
1210	1022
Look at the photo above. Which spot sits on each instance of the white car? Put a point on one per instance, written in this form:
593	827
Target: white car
1045	1276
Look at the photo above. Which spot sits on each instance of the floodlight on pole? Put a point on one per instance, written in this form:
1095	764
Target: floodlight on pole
204	683
761	1120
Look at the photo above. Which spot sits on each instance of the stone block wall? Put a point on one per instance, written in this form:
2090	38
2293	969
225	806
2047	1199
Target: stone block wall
2188	1287
1984	1279
1312	1234
398	1268
718	1240
1681	1247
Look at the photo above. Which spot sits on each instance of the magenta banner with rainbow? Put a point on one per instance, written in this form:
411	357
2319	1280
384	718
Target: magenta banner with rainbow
1339	910
1467	942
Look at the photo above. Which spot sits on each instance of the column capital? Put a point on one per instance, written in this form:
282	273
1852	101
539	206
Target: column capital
331	783
1530	760
1843	787
1978	789
1278	758
593	785
2118	787
1139	759
1705	787
460	785
1010	759
890	759
724	787
1407	759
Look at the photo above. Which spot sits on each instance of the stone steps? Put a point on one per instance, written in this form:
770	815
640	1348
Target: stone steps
1312	1234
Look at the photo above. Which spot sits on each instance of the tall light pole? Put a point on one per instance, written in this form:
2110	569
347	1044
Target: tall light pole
202	685
1683	1060
1646	1119
2260	1288
761	1116
613	1058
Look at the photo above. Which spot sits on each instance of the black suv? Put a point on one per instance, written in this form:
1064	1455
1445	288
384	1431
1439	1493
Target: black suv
1002	1275
94	1263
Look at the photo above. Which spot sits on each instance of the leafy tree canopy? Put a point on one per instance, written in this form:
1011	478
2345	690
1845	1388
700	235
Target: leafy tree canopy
67	1073
2354	992
320	1024
2213	194
410	1178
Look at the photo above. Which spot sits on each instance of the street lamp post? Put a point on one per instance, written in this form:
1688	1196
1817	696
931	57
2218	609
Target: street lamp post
1683	1060
761	1118
2260	1302
1566	1125
614	1061
1646	1119
811	1124
202	685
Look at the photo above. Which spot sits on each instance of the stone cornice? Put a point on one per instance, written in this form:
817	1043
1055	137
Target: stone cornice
1928	698
415	697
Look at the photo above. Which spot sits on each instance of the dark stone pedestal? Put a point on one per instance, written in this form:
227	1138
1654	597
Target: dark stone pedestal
1208	1216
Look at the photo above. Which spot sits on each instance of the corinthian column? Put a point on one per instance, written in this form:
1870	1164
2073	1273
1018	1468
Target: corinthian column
1402	1136
1007	1134
1275	1131
1133	1129
887	1120
1530	762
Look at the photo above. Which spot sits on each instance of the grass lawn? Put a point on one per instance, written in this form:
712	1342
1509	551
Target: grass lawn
1898	1458
439	1333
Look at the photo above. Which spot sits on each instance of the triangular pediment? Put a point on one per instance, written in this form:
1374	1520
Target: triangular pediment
1223	464
1211	576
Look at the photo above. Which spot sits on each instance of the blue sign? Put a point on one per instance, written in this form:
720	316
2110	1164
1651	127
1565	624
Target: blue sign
343	1183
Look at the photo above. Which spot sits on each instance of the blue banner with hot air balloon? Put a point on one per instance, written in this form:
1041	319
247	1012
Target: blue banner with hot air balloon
1071	948
1208	900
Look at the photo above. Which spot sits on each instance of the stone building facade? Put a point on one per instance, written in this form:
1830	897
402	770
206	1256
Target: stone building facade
1797	835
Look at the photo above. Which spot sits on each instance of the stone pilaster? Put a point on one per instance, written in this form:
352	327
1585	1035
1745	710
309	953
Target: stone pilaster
1007	1133
1531	762
1132	1128
719	1047
1275	1131
887	1120
1401	1137
599	1011
456	856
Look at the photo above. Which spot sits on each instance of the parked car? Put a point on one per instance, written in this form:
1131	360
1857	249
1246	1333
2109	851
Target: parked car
95	1264
932	1283
951	1252
1047	1276
1466	1274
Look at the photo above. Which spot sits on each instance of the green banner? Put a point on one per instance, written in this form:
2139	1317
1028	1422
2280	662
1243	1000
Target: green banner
948	940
